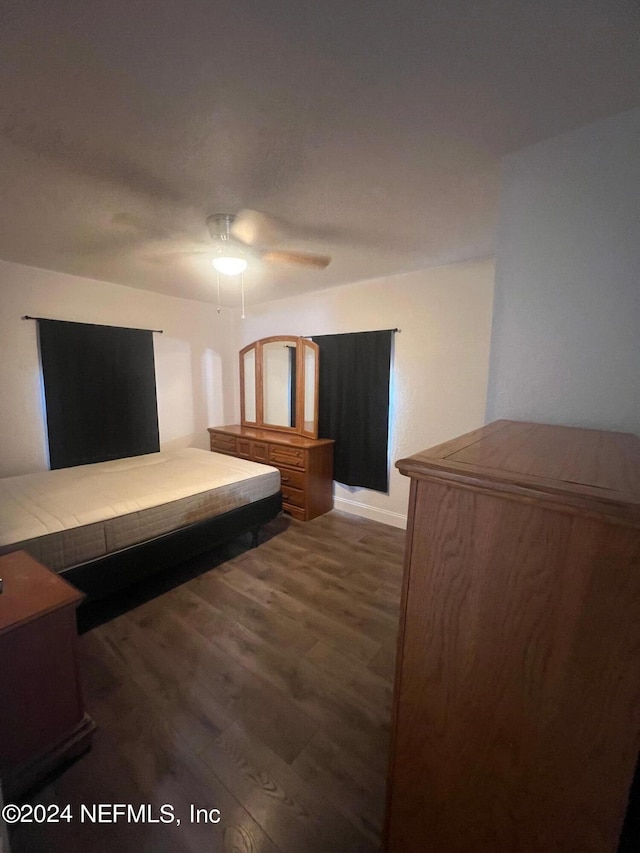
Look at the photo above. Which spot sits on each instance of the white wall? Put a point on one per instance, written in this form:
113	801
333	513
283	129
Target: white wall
439	377
195	357
566	330
440	362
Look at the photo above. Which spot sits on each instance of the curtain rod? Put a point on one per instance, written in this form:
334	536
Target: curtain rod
337	334
103	325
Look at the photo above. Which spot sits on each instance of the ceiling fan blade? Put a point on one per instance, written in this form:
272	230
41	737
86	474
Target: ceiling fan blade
164	257
256	229
305	259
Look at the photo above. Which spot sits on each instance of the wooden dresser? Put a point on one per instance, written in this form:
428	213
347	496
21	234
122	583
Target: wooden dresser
42	720
306	464
516	723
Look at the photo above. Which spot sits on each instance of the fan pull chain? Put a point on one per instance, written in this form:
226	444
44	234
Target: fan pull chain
242	291
218	279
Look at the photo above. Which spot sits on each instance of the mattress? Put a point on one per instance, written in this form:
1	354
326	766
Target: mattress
71	515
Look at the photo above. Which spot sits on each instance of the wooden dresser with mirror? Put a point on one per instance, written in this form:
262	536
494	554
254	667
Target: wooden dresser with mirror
279	422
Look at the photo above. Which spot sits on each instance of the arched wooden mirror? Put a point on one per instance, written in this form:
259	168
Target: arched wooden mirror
279	385
248	375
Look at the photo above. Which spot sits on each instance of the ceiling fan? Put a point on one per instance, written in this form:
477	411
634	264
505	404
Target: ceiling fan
247	234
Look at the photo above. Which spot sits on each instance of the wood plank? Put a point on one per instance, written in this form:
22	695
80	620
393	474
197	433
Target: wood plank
168	771
381	557
372	688
198	718
313	573
289	810
324	595
349	784
216	681
75	786
329	627
361	727
384	663
221	598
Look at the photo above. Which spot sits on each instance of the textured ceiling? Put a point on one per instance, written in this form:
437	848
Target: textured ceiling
373	129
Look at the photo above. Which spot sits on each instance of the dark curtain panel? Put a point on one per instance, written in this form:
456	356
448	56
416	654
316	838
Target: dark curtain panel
354	405
100	390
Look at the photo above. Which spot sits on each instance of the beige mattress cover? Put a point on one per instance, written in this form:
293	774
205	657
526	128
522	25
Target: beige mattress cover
71	515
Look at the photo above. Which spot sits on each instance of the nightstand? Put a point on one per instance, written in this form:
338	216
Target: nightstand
42	720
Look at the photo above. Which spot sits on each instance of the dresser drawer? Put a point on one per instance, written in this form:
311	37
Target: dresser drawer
294	497
223	443
295	512
292	479
290	457
258	451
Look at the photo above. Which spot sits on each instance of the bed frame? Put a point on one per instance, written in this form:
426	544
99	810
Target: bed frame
106	575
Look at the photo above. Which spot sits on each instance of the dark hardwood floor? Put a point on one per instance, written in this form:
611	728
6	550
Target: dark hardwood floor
253	681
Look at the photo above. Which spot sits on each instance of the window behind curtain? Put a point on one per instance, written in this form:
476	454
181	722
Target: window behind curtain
354	405
100	391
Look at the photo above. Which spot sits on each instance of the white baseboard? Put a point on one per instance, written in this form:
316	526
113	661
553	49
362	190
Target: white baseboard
384	516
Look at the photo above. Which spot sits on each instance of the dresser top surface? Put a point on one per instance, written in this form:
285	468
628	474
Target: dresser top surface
30	590
586	463
274	436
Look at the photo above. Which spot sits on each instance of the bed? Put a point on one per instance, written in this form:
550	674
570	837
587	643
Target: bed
106	525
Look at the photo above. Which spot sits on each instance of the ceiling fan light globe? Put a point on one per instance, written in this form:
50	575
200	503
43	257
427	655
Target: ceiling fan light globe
228	265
